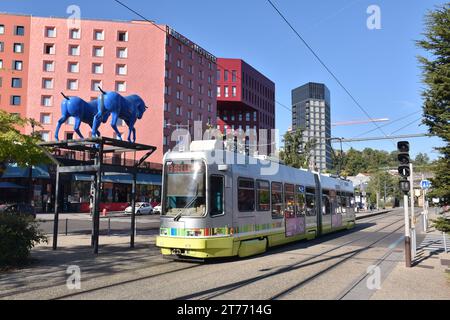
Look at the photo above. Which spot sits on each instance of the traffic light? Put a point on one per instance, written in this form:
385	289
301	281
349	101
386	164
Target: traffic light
403	168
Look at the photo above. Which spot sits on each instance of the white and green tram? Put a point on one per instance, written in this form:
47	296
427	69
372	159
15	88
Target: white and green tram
218	203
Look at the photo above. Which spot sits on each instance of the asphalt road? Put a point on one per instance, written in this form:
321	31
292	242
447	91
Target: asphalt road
332	267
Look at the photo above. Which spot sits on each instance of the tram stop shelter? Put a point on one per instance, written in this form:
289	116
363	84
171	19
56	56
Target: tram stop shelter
91	156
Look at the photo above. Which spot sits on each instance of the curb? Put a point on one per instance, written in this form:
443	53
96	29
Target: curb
373	214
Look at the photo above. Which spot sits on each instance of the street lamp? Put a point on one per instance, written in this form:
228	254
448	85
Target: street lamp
30	170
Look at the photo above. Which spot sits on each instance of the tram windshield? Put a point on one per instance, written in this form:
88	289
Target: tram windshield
185	189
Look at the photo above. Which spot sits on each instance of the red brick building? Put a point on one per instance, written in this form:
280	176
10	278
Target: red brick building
245	98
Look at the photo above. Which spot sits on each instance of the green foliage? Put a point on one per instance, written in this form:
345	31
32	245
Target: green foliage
296	153
377	185
366	161
442	224
18	235
17	147
436	77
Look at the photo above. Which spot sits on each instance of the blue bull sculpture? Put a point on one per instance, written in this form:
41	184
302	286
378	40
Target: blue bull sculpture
82	111
129	109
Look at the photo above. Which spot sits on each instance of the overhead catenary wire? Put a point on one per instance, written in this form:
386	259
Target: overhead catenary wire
163	30
326	67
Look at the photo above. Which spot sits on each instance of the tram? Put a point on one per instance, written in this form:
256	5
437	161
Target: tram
217	203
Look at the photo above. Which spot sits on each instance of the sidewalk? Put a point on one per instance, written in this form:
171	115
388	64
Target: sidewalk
428	279
368	214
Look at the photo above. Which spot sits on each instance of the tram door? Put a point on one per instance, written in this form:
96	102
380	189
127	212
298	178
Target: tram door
327	210
338	212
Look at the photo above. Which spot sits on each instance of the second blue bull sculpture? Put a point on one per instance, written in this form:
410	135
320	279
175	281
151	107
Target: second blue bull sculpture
94	113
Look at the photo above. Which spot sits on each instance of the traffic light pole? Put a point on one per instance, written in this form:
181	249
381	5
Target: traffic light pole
407	232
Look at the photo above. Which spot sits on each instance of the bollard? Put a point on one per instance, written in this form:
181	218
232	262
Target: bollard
67	222
109	227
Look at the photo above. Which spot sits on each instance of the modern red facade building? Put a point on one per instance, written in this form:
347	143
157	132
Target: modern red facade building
245	99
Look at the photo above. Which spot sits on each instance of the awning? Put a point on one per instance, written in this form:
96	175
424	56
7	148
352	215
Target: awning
142	179
9	185
15	172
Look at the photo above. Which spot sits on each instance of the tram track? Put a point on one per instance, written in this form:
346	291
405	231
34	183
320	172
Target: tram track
219	291
348	255
95	267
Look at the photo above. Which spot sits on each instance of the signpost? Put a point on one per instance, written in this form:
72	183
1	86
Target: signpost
425	185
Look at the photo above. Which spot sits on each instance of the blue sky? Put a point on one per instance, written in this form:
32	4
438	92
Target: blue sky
379	67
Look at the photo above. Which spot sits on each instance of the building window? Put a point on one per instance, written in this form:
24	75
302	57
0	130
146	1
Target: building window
49	49
210	93
19	31
1	64
179	79
46	101
122	53
234	76
72	84
234	92
167	107
17	65
167	90
209	107
74	67
16	100
75	34
2	46
16	83
225	75
98	52
190	100
179	95
191	69
121	86
95	84
46	118
18	47
97	68
2	29
179	111
45	136
122	36
165	141
180	63
227	92
49	66
121	69
200	75
99	35
50	32
47	83
74	50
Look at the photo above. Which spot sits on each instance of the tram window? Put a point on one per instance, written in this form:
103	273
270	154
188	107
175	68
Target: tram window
216	203
277	200
310	205
289	200
326	206
263	195
246	195
300	201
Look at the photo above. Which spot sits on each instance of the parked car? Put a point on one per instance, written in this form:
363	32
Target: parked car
157	209
18	208
141	208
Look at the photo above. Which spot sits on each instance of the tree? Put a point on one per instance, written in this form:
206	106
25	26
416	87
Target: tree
436	77
296	153
422	159
17	147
